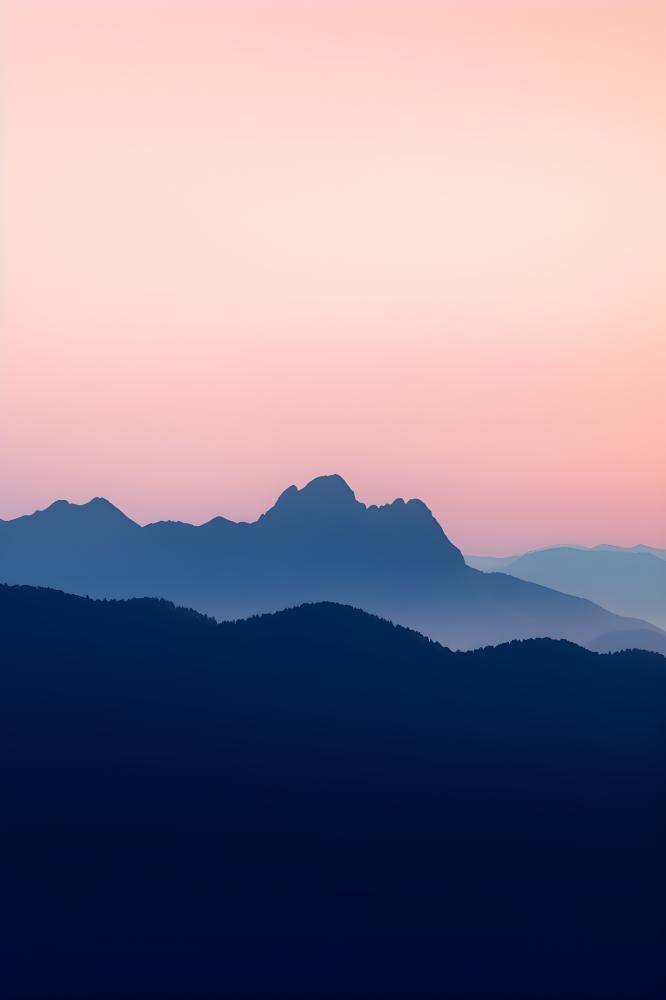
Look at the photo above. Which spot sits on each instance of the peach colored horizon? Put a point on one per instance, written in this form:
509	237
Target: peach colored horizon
416	243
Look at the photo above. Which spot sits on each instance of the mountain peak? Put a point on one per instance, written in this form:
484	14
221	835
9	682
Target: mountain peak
333	487
97	511
101	504
325	495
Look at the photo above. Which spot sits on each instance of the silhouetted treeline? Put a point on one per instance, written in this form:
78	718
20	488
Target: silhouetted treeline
319	804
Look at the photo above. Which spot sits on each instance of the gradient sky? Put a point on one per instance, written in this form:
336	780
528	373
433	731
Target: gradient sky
420	244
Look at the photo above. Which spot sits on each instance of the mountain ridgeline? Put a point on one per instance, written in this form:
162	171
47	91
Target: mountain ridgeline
318	543
625	581
317	804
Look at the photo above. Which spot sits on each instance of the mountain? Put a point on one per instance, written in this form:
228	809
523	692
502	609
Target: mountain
490	564
626	581
659	553
616	641
317	804
318	543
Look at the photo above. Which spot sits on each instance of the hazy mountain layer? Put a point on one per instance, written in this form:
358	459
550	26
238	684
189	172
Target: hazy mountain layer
626	581
316	544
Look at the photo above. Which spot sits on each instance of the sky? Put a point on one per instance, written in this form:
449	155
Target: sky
419	244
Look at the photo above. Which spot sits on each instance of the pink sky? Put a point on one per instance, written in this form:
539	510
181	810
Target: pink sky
420	244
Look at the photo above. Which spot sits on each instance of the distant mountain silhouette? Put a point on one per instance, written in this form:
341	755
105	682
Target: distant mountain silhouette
316	544
318	804
490	564
660	553
626	581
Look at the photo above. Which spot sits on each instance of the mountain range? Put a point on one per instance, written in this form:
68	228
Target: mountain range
627	581
318	543
317	804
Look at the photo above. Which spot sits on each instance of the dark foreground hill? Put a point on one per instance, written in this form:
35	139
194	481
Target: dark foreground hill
317	804
315	544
